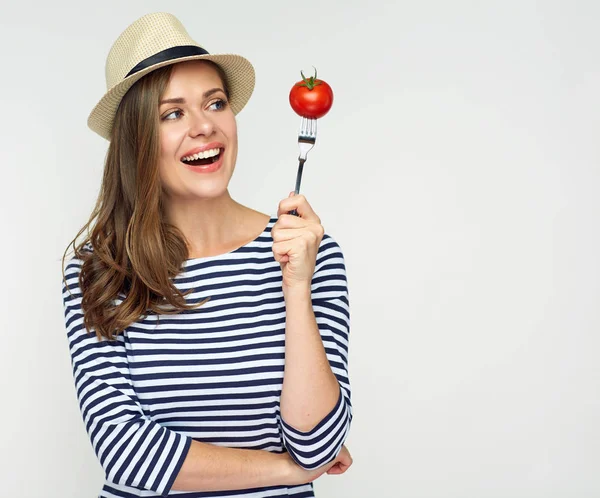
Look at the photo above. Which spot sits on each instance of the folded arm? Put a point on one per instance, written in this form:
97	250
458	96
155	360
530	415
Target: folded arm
134	450
316	409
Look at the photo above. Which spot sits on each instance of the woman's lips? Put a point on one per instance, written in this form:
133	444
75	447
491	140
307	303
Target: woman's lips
206	168
209	167
202	148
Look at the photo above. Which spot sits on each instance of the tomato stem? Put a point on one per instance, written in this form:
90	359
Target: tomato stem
311	82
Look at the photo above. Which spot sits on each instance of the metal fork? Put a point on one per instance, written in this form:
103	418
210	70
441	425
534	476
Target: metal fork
307	137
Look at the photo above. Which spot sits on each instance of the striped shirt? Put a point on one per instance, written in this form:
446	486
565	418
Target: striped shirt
212	374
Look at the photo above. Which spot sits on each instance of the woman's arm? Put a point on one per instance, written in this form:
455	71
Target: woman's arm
310	389
316	410
213	468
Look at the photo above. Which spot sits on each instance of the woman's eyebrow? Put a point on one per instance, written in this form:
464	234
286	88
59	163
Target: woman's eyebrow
181	100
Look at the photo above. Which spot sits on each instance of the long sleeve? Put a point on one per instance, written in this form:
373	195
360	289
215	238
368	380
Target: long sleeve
132	449
330	300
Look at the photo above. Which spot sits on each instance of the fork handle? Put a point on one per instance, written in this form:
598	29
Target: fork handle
298	181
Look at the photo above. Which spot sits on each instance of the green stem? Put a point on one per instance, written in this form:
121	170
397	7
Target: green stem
311	82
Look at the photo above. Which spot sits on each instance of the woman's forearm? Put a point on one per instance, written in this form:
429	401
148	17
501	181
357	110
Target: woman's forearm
208	467
310	389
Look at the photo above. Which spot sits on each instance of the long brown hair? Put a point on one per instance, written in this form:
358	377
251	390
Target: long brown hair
134	250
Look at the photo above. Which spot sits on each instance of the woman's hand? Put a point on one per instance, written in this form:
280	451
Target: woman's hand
342	462
296	241
298	475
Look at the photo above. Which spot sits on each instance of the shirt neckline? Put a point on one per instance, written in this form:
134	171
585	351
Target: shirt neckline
265	230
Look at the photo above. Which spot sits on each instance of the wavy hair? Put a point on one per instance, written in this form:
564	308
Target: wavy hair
129	247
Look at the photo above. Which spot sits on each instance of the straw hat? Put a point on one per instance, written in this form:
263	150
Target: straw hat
153	41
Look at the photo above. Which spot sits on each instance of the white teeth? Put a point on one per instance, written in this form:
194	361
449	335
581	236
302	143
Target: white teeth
202	155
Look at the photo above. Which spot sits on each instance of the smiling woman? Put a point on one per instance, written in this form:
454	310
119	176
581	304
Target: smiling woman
199	156
209	341
196	105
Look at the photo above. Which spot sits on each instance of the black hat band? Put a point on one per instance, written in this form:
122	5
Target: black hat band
167	55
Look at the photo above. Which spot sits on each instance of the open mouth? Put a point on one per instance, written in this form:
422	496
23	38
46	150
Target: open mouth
203	158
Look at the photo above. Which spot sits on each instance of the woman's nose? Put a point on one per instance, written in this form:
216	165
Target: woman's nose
200	124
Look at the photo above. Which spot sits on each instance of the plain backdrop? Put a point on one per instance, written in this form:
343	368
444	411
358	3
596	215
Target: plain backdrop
459	170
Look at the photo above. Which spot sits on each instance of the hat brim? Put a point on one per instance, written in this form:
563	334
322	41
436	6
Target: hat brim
240	81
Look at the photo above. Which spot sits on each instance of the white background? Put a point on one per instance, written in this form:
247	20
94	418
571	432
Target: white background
458	170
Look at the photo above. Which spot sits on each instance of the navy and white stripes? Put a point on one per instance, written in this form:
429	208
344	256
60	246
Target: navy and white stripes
213	374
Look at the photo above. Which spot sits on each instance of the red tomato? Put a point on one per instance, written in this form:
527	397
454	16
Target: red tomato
311	97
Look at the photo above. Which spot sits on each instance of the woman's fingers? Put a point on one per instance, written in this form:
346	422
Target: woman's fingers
301	205
296	248
296	241
342	462
283	234
344	457
281	250
337	469
290	221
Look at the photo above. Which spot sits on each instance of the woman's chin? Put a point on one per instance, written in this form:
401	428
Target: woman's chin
206	193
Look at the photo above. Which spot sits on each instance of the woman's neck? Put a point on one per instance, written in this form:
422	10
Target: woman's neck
213	226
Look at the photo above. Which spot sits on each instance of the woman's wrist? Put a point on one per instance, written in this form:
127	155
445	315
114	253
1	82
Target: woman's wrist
287	469
298	292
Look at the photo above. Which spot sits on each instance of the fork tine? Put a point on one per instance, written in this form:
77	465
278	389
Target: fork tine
304	127
308	128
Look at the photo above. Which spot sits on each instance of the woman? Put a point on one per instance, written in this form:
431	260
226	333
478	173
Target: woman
208	340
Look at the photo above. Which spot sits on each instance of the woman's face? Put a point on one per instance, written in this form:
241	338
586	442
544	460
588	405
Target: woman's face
197	132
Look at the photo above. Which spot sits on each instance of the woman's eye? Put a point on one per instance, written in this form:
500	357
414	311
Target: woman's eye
172	115
218	105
